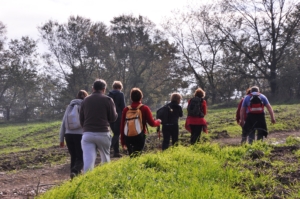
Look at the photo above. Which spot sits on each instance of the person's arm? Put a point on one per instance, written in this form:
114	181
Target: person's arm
62	135
122	125
242	113
81	115
113	115
237	115
63	130
122	104
180	111
243	110
149	117
204	107
271	112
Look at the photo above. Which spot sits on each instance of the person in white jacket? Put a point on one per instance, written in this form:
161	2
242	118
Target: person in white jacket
73	136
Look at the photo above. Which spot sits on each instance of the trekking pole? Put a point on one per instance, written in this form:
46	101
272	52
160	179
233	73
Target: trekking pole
158	132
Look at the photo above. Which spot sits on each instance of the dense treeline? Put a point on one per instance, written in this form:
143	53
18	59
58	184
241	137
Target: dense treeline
223	47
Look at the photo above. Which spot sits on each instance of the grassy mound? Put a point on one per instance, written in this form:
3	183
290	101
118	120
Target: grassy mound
200	171
178	173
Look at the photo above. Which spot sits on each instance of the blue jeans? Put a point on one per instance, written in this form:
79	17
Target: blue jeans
91	142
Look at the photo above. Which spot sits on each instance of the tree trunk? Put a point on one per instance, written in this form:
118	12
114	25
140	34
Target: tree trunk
273	82
7	113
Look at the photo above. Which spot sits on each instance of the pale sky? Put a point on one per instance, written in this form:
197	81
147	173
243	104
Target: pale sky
22	17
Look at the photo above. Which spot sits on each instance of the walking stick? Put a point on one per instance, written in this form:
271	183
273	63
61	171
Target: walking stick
158	132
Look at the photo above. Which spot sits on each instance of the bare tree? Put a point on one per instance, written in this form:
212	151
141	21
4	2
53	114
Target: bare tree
200	46
261	31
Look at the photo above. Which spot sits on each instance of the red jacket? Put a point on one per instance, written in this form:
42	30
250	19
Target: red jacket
147	118
197	120
237	114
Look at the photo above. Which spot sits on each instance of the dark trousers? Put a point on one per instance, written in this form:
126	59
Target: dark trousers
168	132
254	122
115	127
135	144
251	136
74	146
195	133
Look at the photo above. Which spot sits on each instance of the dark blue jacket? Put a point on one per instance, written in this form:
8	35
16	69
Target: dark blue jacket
119	100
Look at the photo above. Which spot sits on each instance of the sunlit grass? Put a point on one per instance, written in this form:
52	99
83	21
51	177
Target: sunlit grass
193	172
199	171
22	137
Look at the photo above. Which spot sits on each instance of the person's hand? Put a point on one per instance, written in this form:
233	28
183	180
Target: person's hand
273	121
124	147
242	122
62	145
159	120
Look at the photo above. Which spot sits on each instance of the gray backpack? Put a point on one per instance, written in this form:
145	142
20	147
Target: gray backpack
72	118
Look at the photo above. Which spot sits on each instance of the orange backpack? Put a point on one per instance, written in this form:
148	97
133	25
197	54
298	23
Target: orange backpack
133	121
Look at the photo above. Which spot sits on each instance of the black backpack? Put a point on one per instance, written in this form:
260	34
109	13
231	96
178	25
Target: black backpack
164	113
195	107
256	104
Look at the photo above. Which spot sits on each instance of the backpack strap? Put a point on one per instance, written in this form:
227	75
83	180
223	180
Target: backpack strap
139	106
144	123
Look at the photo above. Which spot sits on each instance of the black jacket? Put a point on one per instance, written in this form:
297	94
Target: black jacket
176	113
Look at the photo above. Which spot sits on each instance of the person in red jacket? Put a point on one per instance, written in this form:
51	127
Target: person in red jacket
237	114
196	124
135	144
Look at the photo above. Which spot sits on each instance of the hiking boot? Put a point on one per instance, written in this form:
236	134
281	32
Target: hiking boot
72	175
117	155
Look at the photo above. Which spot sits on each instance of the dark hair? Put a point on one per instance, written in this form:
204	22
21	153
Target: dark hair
176	97
117	85
248	91
254	89
136	94
81	94
99	84
199	93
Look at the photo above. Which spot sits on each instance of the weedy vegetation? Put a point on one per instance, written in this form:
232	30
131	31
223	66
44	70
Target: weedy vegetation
205	170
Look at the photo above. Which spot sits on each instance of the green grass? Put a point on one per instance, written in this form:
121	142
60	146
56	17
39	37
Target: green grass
194	172
199	171
22	137
287	119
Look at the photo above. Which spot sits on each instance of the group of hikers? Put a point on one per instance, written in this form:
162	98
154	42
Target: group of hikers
88	120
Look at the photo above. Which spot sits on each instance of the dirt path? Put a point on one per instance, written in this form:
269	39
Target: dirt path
27	183
276	138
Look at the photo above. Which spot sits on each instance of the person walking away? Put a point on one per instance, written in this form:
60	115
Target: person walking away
195	122
119	100
238	117
133	124
170	129
97	111
253	105
73	134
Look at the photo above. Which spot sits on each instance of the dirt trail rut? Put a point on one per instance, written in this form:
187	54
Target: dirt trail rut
27	183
